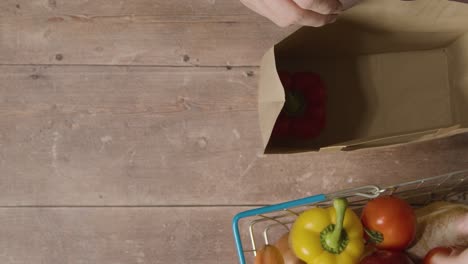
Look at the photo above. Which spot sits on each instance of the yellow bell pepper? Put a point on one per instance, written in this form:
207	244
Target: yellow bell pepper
331	235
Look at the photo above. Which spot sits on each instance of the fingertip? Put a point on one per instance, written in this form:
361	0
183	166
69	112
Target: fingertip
324	7
462	224
331	9
332	19
293	15
282	23
313	19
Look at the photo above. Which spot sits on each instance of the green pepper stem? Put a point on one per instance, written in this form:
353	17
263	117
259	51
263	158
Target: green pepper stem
335	238
374	236
293	103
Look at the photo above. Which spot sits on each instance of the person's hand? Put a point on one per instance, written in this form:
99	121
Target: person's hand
284	13
458	256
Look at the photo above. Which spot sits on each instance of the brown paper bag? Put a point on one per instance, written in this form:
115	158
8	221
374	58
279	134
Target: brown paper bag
395	72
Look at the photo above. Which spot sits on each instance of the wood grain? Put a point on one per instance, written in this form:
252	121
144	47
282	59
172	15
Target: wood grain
117	235
143	32
96	161
81	135
111	8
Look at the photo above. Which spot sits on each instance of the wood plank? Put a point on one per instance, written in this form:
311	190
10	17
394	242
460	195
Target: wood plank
143	32
117	235
81	135
111	8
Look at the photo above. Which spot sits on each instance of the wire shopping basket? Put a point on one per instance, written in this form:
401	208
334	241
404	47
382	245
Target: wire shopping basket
263	223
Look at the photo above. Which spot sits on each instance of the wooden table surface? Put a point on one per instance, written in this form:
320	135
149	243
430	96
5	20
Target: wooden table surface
129	133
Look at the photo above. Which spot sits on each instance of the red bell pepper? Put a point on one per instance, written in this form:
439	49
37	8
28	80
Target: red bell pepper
304	113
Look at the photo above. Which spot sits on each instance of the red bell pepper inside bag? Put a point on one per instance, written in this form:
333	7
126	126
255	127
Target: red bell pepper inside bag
304	113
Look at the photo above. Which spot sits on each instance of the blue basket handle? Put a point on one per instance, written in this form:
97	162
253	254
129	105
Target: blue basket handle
265	210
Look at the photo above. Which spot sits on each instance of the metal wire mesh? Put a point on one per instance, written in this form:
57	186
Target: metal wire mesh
448	187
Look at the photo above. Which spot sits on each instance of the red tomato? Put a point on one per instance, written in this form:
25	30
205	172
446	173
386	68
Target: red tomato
444	251
304	113
311	85
390	222
387	257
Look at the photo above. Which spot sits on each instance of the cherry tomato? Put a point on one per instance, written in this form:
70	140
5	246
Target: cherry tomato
387	257
444	251
390	223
